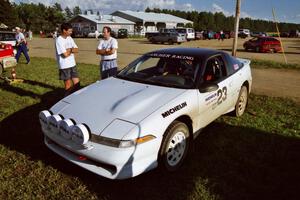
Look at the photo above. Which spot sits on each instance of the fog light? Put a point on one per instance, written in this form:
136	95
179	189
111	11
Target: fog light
80	134
54	123
65	128
44	117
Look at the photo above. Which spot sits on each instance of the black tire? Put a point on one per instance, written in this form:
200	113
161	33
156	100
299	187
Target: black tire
171	158
178	42
242	102
170	42
152	40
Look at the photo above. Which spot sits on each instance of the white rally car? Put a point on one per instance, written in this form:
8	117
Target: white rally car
149	113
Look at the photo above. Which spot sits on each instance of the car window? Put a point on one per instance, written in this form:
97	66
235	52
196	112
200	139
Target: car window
163	69
215	70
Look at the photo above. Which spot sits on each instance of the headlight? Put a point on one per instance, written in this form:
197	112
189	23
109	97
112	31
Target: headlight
121	143
65	127
54	123
43	117
80	134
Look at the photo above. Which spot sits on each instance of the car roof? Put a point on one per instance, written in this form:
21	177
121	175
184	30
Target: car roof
195	52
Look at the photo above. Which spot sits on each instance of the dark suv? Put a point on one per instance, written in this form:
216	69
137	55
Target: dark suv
263	44
122	33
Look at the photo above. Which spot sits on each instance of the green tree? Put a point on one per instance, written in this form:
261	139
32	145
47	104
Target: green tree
76	11
8	16
68	13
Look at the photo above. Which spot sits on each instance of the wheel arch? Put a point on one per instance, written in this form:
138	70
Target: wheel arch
186	120
246	83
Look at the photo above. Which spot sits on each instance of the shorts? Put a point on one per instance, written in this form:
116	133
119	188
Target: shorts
108	73
67	74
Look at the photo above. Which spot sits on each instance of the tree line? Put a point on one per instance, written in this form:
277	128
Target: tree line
35	17
218	21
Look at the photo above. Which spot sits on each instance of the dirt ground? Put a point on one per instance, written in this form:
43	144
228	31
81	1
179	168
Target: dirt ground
271	82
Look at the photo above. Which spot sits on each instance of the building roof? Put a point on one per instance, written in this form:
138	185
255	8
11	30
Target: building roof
154	17
106	19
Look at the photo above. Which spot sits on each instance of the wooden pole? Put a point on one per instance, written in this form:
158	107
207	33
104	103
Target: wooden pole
236	26
276	23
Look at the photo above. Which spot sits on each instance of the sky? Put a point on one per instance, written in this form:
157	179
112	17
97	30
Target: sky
286	11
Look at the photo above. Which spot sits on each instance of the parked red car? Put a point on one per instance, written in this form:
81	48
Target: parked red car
263	44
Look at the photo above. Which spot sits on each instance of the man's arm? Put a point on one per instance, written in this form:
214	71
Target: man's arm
69	52
105	51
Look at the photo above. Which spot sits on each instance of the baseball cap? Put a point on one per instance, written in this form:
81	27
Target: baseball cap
18	28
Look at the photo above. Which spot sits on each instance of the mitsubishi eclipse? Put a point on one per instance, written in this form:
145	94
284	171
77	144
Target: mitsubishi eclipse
149	114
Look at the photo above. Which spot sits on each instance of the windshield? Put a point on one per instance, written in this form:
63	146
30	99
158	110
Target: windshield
163	69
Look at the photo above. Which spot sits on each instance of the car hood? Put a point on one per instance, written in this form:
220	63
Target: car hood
99	104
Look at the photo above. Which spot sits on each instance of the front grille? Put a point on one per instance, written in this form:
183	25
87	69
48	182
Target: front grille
111	168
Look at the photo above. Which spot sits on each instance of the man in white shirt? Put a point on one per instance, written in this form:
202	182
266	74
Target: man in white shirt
22	45
107	49
65	49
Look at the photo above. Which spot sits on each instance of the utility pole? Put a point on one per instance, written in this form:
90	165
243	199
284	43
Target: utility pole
236	26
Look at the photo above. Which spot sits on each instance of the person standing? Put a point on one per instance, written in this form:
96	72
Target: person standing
107	49
21	45
65	49
30	34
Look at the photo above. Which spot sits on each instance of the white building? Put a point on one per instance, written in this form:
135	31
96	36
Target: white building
149	22
84	24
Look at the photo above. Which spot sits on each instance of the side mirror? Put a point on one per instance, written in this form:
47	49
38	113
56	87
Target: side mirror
208	87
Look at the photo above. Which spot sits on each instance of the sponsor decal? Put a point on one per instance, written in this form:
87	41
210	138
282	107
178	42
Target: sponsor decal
173	110
235	66
172	56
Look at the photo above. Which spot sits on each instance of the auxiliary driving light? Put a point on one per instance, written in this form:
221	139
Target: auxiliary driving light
54	123
65	127
80	134
43	117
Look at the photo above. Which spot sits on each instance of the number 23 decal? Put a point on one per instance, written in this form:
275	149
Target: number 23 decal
222	95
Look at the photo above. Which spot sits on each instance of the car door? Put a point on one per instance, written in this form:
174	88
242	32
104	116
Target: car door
215	103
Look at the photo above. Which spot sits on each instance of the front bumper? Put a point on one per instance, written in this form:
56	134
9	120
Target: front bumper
106	161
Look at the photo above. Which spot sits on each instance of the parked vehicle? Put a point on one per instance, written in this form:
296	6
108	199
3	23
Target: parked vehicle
153	111
263	44
284	34
8	37
294	33
258	34
170	38
148	35
7	57
122	33
189	32
244	33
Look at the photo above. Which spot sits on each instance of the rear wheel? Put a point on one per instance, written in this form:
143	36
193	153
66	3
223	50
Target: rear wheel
170	42
174	146
241	103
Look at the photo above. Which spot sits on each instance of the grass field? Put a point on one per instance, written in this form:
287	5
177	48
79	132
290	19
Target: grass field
252	157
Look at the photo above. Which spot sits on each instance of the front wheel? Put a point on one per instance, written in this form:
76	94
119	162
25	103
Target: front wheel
241	103
175	146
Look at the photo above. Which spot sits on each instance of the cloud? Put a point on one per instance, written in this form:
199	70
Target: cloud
108	6
217	8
